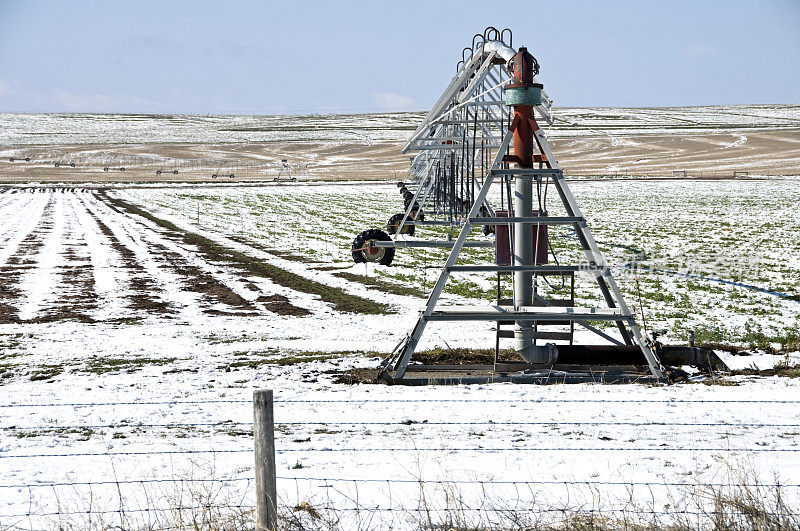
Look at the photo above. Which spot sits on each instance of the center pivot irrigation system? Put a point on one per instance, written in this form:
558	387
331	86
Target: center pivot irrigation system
481	141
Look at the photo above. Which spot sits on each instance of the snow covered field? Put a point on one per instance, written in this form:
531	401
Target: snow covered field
55	129
726	253
129	351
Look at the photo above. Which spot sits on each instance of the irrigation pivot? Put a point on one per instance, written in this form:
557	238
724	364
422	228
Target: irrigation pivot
483	167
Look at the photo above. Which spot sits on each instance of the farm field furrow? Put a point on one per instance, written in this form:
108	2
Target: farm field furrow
718	259
24	212
64	251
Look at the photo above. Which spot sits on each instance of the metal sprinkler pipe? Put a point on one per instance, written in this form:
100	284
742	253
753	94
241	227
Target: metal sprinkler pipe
522	95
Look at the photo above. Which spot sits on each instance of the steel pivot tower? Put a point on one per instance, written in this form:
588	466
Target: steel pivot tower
531	164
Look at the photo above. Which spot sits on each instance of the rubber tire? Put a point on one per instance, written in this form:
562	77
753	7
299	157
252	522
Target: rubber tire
175	172
395	220
122	169
56	164
72	165
11	159
231	176
105	169
158	172
371	234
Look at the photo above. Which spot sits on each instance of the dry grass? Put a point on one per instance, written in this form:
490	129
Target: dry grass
743	503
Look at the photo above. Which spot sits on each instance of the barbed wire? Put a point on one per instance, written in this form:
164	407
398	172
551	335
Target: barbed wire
126	510
112	454
402	481
536	482
529	449
136	403
460	508
414	423
122	482
109	426
410	449
536	401
407	400
489	510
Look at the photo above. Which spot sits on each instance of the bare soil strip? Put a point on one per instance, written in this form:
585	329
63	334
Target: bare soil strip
179	270
145	294
607	151
39	284
197	277
20	262
75	298
111	281
54	266
201	282
280	304
341	301
21	224
382	285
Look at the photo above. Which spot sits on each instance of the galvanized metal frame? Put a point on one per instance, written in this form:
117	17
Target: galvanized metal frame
396	364
471	113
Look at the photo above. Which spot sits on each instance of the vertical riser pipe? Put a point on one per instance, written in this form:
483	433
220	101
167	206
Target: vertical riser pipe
516	96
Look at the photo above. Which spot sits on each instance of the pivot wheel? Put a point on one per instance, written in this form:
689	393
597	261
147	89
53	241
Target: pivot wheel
394	223
365	250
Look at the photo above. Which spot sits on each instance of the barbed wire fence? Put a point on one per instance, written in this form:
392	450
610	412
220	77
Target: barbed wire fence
174	500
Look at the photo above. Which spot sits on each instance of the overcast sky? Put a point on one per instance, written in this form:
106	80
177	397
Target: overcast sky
264	57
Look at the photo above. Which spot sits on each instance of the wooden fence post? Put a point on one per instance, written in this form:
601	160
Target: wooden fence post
264	435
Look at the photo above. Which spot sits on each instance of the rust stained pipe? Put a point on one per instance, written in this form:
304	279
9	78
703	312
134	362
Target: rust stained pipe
524	121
